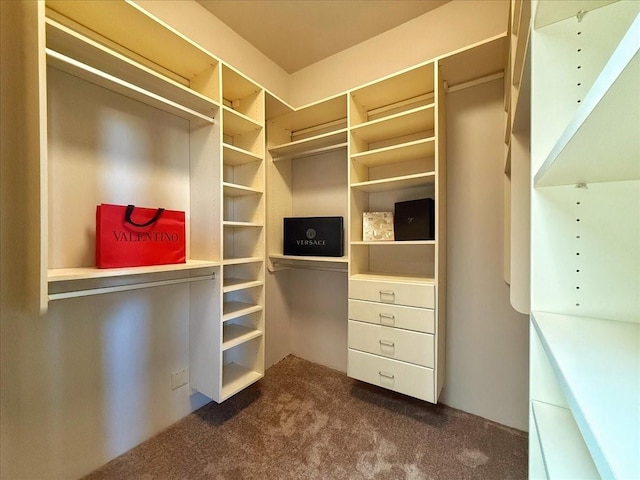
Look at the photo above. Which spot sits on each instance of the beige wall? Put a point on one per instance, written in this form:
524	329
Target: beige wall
454	25
487	341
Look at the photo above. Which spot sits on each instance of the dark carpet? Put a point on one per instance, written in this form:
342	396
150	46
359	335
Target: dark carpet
306	421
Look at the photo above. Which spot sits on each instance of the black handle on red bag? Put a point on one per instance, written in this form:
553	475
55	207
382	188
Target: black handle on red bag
129	211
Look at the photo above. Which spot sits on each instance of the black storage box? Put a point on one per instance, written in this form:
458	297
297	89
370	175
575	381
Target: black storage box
414	220
314	236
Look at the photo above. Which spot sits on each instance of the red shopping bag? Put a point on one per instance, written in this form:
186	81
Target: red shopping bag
128	236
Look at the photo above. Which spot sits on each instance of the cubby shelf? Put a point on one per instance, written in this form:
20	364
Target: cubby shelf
235	284
236	123
234	224
407	86
234	156
405	181
236	378
231	310
241	260
235	190
234	335
575	158
315	145
592	357
404	123
423	148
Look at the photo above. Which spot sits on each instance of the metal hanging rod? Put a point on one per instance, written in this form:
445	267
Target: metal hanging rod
122	288
472	83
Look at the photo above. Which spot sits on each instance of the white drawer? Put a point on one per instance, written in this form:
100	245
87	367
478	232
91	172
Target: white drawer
398	376
410	318
399	293
405	345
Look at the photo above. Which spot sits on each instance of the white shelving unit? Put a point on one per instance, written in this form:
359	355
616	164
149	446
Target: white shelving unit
243	186
585	207
396	154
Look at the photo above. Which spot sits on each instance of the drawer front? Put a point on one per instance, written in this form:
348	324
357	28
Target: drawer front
410	294
398	376
412	347
410	318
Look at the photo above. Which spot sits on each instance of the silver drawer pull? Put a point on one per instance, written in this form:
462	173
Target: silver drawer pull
386	375
386	343
388	293
387	316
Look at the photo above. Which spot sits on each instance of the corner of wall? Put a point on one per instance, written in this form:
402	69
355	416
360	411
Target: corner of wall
452	26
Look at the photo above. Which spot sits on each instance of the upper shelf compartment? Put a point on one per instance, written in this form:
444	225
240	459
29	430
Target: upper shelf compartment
90	35
242	96
610	113
399	93
311	130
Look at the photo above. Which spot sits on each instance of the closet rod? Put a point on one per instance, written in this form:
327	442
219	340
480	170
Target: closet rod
122	288
472	83
309	267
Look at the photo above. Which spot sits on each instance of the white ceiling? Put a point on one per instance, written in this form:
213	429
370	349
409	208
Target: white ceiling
298	33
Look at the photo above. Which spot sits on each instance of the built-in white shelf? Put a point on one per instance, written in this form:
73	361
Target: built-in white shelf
395	183
231	310
564	453
234	335
70	44
105	80
236	378
576	158
597	363
235	284
405	123
234	156
233	224
315	145
423	148
236	123
241	260
235	190
88	273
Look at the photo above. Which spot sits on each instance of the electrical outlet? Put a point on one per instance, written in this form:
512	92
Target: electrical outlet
180	378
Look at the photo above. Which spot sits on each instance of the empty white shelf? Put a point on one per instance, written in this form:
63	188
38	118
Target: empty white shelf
405	181
564	452
234	335
234	284
576	158
235	378
232	310
597	363
318	144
